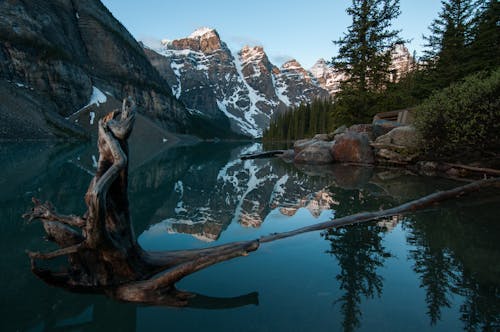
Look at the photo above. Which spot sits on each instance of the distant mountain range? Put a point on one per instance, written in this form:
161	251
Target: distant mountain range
58	58
245	87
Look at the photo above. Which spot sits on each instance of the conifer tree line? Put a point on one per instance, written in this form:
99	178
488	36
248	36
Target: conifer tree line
305	120
464	39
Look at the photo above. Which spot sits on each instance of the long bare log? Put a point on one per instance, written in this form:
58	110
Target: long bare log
265	154
482	170
411	206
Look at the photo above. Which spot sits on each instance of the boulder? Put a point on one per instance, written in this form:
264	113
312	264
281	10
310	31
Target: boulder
382	127
399	146
316	153
323	137
363	128
393	155
340	130
287	155
353	147
406	136
301	144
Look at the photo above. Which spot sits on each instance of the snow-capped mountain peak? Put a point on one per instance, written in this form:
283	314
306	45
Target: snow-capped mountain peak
319	68
244	87
202	32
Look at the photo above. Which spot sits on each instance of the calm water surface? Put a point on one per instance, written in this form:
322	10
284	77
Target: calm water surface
437	270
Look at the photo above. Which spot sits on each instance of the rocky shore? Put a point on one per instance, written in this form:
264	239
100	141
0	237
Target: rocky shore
381	143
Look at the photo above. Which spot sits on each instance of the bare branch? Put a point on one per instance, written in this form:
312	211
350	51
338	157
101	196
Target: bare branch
47	212
56	253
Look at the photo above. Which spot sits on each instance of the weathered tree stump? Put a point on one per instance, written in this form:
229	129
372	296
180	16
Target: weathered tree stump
103	254
102	251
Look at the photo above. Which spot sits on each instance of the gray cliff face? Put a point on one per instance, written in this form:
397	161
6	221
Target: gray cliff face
245	88
301	86
57	51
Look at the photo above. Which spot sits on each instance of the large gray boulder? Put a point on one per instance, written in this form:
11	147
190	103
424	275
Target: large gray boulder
353	147
399	146
301	144
363	128
315	153
406	136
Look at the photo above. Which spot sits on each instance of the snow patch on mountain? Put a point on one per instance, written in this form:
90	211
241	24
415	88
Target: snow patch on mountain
200	32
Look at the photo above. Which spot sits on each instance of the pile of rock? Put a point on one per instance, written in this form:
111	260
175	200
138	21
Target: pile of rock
382	142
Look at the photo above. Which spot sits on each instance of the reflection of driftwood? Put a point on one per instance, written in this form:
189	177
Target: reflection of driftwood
265	154
102	251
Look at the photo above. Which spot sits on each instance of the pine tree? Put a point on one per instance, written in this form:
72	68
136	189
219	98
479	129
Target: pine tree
364	51
447	49
485	47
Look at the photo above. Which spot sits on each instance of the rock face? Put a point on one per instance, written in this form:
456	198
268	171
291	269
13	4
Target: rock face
57	51
353	147
244	88
327	77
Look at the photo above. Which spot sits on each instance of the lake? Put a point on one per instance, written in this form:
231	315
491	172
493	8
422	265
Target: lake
435	270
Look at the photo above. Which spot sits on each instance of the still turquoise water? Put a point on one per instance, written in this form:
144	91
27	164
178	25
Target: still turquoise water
437	270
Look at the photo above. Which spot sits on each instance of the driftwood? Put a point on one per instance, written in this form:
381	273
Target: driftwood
481	170
265	154
102	251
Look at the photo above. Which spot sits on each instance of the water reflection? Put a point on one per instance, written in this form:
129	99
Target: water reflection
359	249
207	196
188	196
457	253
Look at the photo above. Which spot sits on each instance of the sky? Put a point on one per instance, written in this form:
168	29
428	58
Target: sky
287	29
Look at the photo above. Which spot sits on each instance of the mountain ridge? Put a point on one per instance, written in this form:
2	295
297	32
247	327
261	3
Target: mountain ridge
245	86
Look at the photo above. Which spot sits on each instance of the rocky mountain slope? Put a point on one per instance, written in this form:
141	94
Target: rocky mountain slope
53	57
245	87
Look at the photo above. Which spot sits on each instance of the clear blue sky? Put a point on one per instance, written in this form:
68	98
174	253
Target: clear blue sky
287	29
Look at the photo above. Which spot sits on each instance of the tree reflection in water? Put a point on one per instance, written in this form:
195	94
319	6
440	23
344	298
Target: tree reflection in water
360	253
457	256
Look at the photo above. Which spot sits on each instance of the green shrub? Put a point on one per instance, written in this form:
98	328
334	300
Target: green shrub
462	118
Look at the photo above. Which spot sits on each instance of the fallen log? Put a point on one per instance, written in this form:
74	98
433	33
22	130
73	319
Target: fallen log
265	154
411	206
102	251
481	170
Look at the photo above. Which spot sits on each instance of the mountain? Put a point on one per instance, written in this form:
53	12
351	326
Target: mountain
244	88
329	78
56	57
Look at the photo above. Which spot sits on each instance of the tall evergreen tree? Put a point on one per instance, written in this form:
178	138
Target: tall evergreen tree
364	51
447	49
485	47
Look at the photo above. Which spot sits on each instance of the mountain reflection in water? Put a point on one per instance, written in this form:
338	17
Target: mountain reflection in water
436	270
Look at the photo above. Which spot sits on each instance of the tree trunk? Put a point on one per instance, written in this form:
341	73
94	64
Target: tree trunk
101	248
